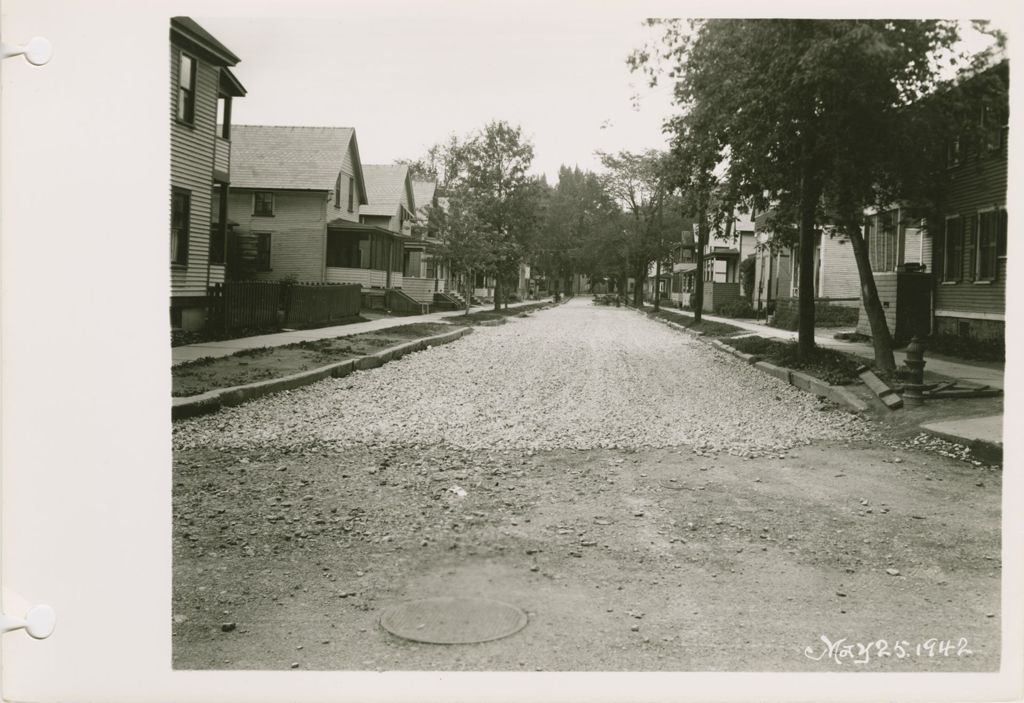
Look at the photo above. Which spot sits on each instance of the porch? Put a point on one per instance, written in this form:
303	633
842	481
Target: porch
364	254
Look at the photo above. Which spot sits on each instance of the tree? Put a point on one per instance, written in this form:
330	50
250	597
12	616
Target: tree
494	181
639	183
810	114
579	214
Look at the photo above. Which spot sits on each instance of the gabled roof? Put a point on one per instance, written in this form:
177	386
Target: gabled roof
384	187
187	32
296	158
424	191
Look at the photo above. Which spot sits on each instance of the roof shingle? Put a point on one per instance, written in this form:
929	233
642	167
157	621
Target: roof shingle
385	184
300	158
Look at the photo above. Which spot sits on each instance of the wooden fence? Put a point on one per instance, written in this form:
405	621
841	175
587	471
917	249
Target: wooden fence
237	305
306	303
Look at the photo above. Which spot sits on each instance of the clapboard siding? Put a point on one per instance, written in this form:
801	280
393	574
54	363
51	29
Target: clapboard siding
192	157
340	209
298	242
839	278
885	284
978	184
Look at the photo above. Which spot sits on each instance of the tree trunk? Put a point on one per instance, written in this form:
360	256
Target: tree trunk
809	194
881	339
657	285
638	287
697	297
497	292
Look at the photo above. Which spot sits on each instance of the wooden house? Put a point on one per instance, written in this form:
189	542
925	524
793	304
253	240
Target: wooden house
298	200
970	254
425	274
725	249
202	88
900	249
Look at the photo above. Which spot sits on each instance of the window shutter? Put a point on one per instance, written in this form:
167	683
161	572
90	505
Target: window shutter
970	245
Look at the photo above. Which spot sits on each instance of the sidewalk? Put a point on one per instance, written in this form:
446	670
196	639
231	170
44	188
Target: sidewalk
983	434
227	347
983	374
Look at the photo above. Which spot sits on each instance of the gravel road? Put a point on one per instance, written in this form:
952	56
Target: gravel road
650	503
575	377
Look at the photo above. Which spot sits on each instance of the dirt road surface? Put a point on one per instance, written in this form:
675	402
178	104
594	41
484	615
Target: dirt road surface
650	503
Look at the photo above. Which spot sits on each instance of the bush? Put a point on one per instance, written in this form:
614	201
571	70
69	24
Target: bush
739	309
968	348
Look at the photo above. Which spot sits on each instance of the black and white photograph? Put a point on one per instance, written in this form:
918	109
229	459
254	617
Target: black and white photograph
672	345
465	350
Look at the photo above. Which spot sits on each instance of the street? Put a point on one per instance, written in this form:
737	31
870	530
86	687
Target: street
651	503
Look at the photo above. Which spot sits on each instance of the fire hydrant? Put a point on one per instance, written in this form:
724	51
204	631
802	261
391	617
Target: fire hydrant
912	393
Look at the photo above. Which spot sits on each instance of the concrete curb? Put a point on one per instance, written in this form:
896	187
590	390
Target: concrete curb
985	450
797	379
212	401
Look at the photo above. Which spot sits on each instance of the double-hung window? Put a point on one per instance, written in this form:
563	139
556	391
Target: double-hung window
181	211
991	233
186	89
952	250
263	204
351	194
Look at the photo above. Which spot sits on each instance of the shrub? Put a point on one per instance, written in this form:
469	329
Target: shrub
739	308
969	348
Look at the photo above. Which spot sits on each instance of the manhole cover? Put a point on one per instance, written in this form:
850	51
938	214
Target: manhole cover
453	620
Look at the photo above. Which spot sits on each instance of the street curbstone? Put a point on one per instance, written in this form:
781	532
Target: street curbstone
343	369
212	401
193	406
779	372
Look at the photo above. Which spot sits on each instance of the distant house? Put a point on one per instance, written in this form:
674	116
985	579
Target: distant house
725	248
202	87
777	269
969	258
425	274
299	198
900	249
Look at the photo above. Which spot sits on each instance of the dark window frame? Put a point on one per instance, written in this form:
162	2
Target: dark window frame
995	233
180	244
257	211
351	194
185	110
952	250
954	152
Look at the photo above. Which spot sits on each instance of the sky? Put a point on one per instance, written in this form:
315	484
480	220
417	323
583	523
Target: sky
406	80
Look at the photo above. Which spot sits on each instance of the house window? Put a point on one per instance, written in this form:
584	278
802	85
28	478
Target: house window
880	233
431	268
181	211
991	230
186	89
262	251
992	124
351	194
954	152
224	117
952	250
263	204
